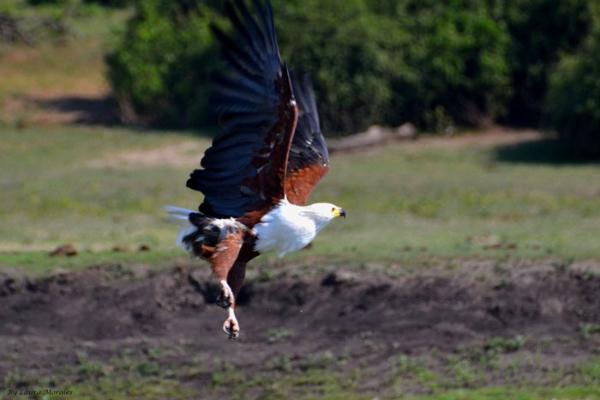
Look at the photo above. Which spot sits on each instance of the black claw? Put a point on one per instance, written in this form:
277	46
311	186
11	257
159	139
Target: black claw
233	335
223	301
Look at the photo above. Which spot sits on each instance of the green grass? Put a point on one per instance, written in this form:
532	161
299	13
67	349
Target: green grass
53	192
405	202
55	66
585	383
160	372
412	202
317	378
504	393
38	262
456	202
311	386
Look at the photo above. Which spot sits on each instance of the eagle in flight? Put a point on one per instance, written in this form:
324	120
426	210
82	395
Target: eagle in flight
257	175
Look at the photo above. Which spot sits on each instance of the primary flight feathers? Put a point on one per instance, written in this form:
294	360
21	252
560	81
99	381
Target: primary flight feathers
270	143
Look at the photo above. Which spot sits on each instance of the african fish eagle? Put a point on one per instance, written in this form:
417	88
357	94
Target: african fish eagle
258	173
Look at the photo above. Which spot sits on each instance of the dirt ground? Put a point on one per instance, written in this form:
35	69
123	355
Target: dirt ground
370	320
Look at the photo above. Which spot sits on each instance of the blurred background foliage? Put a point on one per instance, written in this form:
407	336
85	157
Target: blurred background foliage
573	101
160	69
429	63
437	64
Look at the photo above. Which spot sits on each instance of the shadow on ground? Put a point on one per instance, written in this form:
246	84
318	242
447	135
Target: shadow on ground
540	151
92	111
80	110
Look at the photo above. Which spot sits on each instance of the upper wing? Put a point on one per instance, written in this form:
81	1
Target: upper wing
309	158
243	171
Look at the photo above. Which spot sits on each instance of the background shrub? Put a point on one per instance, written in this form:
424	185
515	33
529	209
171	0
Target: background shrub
160	69
40	2
357	61
540	31
460	51
110	3
434	63
391	62
573	103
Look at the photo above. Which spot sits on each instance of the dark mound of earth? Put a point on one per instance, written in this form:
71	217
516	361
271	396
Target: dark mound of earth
46	321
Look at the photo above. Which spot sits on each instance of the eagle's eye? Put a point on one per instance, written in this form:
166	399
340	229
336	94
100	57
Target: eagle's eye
332	209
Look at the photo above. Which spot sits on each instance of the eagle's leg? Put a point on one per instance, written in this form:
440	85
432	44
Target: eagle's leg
236	276
231	325
222	261
226	298
230	290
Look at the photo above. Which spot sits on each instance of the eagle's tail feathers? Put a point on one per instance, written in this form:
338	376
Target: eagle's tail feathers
178	213
187	228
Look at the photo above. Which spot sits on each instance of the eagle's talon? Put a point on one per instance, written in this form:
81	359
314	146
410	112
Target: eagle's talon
225	298
231	328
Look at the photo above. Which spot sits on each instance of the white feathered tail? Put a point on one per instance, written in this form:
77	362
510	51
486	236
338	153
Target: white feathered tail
179	214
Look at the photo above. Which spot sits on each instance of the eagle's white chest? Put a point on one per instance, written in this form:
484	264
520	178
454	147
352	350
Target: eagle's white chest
284	229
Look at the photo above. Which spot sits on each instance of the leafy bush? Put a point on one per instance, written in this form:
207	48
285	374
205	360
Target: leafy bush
396	61
104	3
573	102
354	57
434	63
160	69
40	2
460	51
110	3
540	31
424	62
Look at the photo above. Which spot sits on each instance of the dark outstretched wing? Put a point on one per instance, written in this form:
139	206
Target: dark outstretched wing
243	171
309	158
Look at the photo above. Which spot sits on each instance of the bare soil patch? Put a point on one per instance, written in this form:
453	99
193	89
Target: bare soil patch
369	321
184	154
378	137
493	136
50	108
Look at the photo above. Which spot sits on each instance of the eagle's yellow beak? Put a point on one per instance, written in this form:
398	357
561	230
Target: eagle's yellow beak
339	212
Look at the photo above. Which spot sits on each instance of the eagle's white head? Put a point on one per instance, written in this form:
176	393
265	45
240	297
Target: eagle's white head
323	213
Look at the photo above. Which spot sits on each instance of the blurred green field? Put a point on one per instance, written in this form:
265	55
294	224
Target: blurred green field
128	378
98	188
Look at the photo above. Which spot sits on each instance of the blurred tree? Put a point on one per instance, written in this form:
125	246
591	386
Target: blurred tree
462	59
391	61
573	102
355	58
40	2
435	63
460	52
540	30
110	3
372	62
161	67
